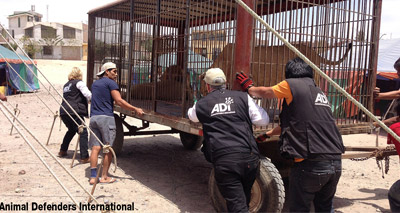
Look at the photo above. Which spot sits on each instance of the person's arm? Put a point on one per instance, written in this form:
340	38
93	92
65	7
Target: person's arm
388	95
84	90
192	114
121	102
3	97
275	131
257	114
262	92
268	134
389	121
247	86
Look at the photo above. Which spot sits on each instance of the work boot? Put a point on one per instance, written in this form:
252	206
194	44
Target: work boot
83	161
62	153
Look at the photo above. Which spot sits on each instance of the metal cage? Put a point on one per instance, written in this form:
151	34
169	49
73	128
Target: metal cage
162	47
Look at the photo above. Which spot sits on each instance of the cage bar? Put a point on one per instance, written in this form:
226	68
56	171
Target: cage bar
162	47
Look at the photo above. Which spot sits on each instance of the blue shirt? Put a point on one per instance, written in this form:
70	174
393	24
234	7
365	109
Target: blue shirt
102	101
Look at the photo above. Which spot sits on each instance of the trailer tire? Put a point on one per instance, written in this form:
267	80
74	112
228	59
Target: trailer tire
119	136
267	194
190	141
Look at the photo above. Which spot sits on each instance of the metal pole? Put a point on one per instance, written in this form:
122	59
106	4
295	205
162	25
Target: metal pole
52	125
243	41
76	149
15	113
80	130
97	179
39	156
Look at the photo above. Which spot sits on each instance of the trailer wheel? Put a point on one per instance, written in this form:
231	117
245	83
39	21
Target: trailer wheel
267	193
119	137
190	141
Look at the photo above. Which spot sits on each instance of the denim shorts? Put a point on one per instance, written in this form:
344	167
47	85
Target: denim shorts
104	128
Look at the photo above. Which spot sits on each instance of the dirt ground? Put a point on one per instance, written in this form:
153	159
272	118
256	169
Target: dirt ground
154	171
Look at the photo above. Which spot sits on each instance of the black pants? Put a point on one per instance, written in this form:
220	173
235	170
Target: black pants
314	181
235	175
394	197
72	130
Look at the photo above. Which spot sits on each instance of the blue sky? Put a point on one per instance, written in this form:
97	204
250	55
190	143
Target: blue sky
76	11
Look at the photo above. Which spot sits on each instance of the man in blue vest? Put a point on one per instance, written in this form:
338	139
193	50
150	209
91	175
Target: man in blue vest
308	135
227	117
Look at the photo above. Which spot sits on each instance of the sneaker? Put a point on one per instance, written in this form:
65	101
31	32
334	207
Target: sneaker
86	160
62	154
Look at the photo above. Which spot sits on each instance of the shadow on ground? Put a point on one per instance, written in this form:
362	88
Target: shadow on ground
163	165
377	193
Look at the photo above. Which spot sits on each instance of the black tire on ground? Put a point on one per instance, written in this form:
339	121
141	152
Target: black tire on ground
267	194
190	141
119	138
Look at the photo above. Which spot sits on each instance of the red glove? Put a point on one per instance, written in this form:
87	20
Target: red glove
245	82
262	138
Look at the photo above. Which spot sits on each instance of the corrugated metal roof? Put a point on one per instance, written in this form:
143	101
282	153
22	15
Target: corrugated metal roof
107	6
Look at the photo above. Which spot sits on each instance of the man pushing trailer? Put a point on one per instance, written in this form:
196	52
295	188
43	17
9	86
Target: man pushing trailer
308	135
227	117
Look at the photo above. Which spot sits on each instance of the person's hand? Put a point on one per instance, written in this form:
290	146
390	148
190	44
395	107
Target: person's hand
3	97
245	82
262	138
139	111
376	91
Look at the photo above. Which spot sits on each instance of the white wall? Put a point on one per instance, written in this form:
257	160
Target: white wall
13	25
37	35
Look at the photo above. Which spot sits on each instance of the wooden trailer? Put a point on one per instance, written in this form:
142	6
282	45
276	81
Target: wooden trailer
162	47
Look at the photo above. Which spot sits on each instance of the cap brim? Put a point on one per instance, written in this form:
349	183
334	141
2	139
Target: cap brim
100	73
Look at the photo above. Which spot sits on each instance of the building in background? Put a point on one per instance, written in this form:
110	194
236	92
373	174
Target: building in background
18	21
49	40
3	38
209	44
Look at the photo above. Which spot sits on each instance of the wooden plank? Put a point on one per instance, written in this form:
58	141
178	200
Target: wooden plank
182	124
365	148
357	155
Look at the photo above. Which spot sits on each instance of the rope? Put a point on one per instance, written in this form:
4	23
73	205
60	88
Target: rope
37	154
51	85
106	149
9	65
325	76
47	150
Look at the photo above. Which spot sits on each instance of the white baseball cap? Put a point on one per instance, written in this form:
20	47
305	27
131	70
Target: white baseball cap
215	77
106	66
